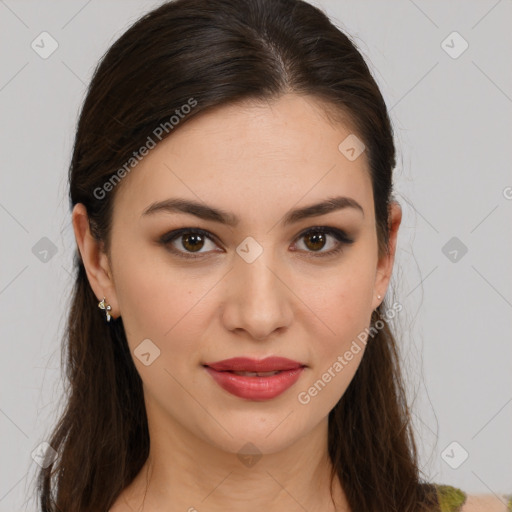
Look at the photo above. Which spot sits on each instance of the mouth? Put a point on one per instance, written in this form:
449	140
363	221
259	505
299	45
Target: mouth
253	379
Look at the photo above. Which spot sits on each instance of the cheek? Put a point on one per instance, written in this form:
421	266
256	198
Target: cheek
154	299
343	304
160	305
344	300
340	342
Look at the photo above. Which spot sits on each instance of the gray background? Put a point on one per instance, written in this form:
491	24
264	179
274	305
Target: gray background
452	120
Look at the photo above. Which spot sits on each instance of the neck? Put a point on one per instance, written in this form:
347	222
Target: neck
184	472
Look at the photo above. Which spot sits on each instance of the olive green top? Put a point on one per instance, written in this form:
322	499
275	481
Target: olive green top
451	498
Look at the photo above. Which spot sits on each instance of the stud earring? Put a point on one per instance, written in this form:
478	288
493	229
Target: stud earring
378	297
103	305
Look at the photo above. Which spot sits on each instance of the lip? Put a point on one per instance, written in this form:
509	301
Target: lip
255	388
247	364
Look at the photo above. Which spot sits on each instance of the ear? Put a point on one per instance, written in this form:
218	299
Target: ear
386	261
96	261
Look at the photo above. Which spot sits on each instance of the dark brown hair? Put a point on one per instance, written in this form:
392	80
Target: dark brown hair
216	53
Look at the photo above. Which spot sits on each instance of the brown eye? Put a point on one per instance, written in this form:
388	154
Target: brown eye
189	242
192	242
317	238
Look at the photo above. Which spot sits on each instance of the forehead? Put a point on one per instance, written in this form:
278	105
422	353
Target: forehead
252	159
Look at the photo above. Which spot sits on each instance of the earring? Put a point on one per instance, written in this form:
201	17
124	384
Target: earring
378	297
106	307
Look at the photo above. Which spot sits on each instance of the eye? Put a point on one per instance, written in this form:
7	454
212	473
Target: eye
187	242
316	239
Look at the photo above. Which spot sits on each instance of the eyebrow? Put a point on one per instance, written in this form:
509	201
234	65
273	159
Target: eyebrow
206	212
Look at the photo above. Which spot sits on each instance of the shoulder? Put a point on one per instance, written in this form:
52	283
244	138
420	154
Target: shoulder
486	503
452	499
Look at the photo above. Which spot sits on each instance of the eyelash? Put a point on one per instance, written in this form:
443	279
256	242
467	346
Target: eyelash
339	235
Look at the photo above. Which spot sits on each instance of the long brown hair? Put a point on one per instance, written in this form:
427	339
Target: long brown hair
215	53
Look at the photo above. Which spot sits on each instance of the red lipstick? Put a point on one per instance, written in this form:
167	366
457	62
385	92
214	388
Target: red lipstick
255	379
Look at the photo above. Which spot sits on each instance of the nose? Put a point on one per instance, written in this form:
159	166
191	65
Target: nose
257	298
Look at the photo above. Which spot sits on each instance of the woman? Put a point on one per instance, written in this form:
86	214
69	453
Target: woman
231	194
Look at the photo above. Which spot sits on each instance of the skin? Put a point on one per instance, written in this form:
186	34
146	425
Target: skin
258	161
485	503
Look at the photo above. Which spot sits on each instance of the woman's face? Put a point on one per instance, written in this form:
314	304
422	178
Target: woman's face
266	284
